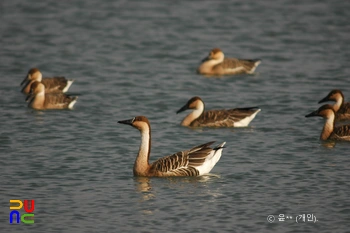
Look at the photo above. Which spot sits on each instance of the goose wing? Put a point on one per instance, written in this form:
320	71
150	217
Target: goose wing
55	83
241	113
183	163
58	100
232	64
249	64
342	132
345	109
224	117
243	64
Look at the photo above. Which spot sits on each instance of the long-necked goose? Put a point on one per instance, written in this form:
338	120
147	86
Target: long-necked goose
330	131
194	162
216	64
40	101
52	85
341	108
238	117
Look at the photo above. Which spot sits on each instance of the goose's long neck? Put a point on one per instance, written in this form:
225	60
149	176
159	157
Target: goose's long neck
38	101
26	88
338	104
193	115
328	127
207	66
142	160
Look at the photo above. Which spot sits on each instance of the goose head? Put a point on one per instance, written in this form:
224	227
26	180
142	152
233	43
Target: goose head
194	103
33	74
334	95
325	111
215	54
139	122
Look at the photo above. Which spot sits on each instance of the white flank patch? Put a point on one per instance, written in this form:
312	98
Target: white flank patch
71	104
210	161
234	70
69	83
254	67
245	121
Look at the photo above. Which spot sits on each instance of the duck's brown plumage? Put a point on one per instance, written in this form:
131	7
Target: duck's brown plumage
194	162
52	85
223	117
182	163
39	100
216	64
330	131
237	117
341	108
247	65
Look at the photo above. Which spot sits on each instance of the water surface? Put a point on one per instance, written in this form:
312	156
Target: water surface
132	58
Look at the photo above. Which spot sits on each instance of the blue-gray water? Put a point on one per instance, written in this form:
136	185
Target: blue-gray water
132	58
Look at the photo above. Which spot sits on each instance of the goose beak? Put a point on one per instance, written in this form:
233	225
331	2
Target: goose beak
314	113
29	96
127	122
24	80
206	59
184	108
325	99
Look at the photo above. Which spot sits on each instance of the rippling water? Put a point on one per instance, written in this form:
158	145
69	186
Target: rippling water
133	58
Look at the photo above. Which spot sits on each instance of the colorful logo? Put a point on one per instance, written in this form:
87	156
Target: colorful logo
28	217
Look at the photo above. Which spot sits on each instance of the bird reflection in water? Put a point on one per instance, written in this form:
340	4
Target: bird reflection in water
190	184
144	186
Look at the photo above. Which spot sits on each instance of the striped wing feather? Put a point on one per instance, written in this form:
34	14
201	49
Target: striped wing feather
342	116
248	64
56	83
223	117
345	109
342	132
183	163
231	63
58	100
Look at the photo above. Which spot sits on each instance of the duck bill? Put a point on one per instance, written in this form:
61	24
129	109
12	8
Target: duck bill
24	80
184	108
29	97
27	82
127	122
312	114
206	59
325	99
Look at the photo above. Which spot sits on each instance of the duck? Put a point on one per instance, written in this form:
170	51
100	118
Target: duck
330	131
216	64
237	117
197	161
39	100
341	108
52	85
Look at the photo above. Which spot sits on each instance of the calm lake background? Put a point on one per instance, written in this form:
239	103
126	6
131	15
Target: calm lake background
132	58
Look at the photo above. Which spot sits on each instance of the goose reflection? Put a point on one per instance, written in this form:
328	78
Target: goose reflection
144	184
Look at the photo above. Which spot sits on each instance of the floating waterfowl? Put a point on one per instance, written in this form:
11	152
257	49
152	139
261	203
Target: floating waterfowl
216	64
194	162
39	100
330	131
237	117
341	108
52	85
